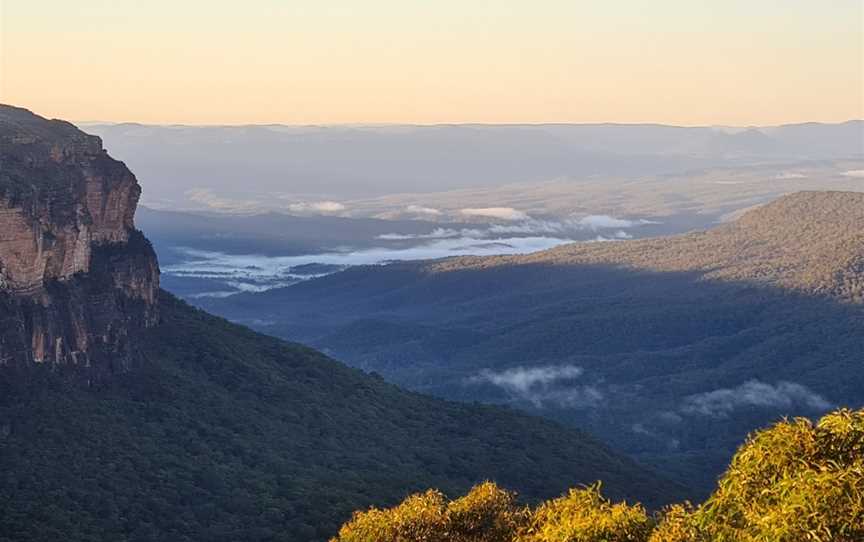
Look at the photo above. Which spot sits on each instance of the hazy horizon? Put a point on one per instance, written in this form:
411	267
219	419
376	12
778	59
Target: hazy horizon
84	123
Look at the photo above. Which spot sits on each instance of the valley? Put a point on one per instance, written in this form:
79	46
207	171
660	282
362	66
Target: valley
671	348
126	414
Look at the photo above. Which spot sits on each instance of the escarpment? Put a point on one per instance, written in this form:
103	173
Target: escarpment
77	280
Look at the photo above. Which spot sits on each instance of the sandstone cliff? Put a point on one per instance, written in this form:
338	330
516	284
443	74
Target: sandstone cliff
76	278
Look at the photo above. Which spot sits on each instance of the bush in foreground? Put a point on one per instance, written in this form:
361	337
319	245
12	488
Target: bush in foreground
793	482
583	515
486	514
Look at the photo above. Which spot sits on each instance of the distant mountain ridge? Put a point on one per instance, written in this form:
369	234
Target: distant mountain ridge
671	348
357	162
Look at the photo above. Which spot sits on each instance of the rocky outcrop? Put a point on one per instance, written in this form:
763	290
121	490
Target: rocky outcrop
76	279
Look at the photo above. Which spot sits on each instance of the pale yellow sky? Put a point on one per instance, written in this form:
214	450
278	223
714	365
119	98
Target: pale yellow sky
689	62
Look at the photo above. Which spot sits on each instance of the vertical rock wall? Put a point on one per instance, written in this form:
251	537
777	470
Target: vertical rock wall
76	278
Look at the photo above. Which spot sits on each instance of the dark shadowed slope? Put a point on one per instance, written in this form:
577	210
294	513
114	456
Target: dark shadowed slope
670	348
225	434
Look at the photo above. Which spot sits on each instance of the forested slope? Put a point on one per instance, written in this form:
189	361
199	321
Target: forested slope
670	348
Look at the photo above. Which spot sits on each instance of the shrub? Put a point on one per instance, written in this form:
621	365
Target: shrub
583	515
417	519
676	525
486	514
794	482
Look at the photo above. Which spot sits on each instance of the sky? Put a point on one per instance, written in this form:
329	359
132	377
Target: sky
684	62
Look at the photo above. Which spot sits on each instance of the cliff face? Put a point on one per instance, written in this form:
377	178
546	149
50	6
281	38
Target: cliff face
76	278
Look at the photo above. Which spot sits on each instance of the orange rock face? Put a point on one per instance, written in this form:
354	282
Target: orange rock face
76	278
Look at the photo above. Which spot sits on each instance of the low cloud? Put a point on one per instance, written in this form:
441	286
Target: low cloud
669	417
543	385
789	175
722	402
857	173
207	198
672	444
601	222
320	207
619	235
437	233
272	271
569	228
420	210
501	213
522	379
535	226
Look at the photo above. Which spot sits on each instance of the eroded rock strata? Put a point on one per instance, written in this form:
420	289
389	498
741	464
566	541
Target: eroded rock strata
76	278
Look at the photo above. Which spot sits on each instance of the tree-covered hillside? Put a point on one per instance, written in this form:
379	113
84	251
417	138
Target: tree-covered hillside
671	349
224	434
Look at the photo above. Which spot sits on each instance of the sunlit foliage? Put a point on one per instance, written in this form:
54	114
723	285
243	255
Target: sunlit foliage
486	514
794	482
676	525
583	515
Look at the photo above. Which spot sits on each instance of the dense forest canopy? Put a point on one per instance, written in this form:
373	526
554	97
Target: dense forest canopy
225	434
